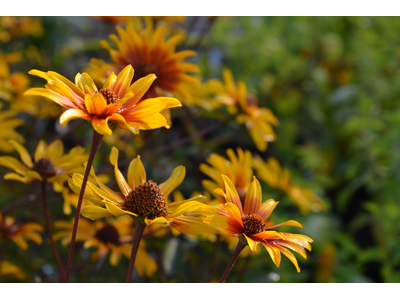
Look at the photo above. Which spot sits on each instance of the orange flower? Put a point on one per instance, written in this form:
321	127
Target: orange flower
148	51
117	101
250	223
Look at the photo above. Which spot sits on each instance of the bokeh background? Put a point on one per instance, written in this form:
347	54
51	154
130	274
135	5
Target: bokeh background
333	84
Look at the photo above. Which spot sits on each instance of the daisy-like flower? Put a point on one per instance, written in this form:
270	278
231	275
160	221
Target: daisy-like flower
144	200
113	236
49	164
250	223
271	172
117	101
8	124
148	51
258	120
19	233
238	168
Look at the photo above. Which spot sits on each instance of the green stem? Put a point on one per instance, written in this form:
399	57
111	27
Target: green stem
240	246
96	139
139	228
48	225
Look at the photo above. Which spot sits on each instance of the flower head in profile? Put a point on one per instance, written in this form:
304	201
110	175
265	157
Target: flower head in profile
17	233
113	237
140	198
149	51
250	223
238	168
117	101
49	163
258	120
271	172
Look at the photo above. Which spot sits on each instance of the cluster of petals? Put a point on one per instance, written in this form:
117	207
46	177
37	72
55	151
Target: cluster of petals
228	220
84	101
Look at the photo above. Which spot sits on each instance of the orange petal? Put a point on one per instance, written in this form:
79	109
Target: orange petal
95	104
253	198
73	113
231	193
136	173
123	81
266	208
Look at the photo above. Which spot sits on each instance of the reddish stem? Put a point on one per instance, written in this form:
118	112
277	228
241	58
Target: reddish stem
48	225
240	246
96	139
139	228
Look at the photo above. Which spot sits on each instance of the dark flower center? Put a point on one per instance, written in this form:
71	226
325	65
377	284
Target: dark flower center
143	70
108	234
252	223
44	167
251	100
147	200
109	95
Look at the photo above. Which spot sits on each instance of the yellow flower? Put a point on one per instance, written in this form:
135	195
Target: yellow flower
258	120
18	233
250	223
8	124
273	174
144	200
8	268
50	163
148	51
117	101
14	27
237	168
114	237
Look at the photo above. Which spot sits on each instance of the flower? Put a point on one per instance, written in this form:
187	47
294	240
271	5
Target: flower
238	169
50	163
258	120
144	200
8	124
273	174
14	27
113	236
18	233
8	268
250	223
148	51
117	101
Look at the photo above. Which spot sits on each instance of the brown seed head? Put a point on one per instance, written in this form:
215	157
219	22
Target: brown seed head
44	167
147	200
109	95
252	223
108	234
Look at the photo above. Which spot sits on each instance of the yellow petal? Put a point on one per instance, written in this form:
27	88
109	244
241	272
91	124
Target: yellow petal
231	193
110	81
252	244
177	176
274	253
139	88
287	223
40	150
123	81
185	208
116	211
101	125
74	113
95	104
95	212
14	164
253	198
291	257
85	83
25	156
158	220
266	208
123	185
136	173
233	211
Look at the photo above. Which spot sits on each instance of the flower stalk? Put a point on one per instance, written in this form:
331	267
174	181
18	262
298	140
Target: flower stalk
49	231
240	246
96	139
139	228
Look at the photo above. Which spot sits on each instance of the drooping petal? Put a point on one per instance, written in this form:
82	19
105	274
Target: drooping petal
101	125
158	220
177	176
136	173
253	198
73	113
274	253
252	243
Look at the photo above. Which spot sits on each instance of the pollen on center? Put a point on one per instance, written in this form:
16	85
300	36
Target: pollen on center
109	95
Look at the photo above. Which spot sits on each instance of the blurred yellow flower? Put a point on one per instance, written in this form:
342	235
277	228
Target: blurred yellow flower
271	172
7	130
148	51
50	163
258	120
144	200
10	269
237	168
117	101
250	223
19	233
14	27
113	236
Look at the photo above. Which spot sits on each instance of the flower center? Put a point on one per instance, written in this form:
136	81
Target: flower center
252	223
147	200
143	70
108	234
109	95
44	167
251	100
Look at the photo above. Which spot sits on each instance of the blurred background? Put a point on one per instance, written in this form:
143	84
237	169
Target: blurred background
332	82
